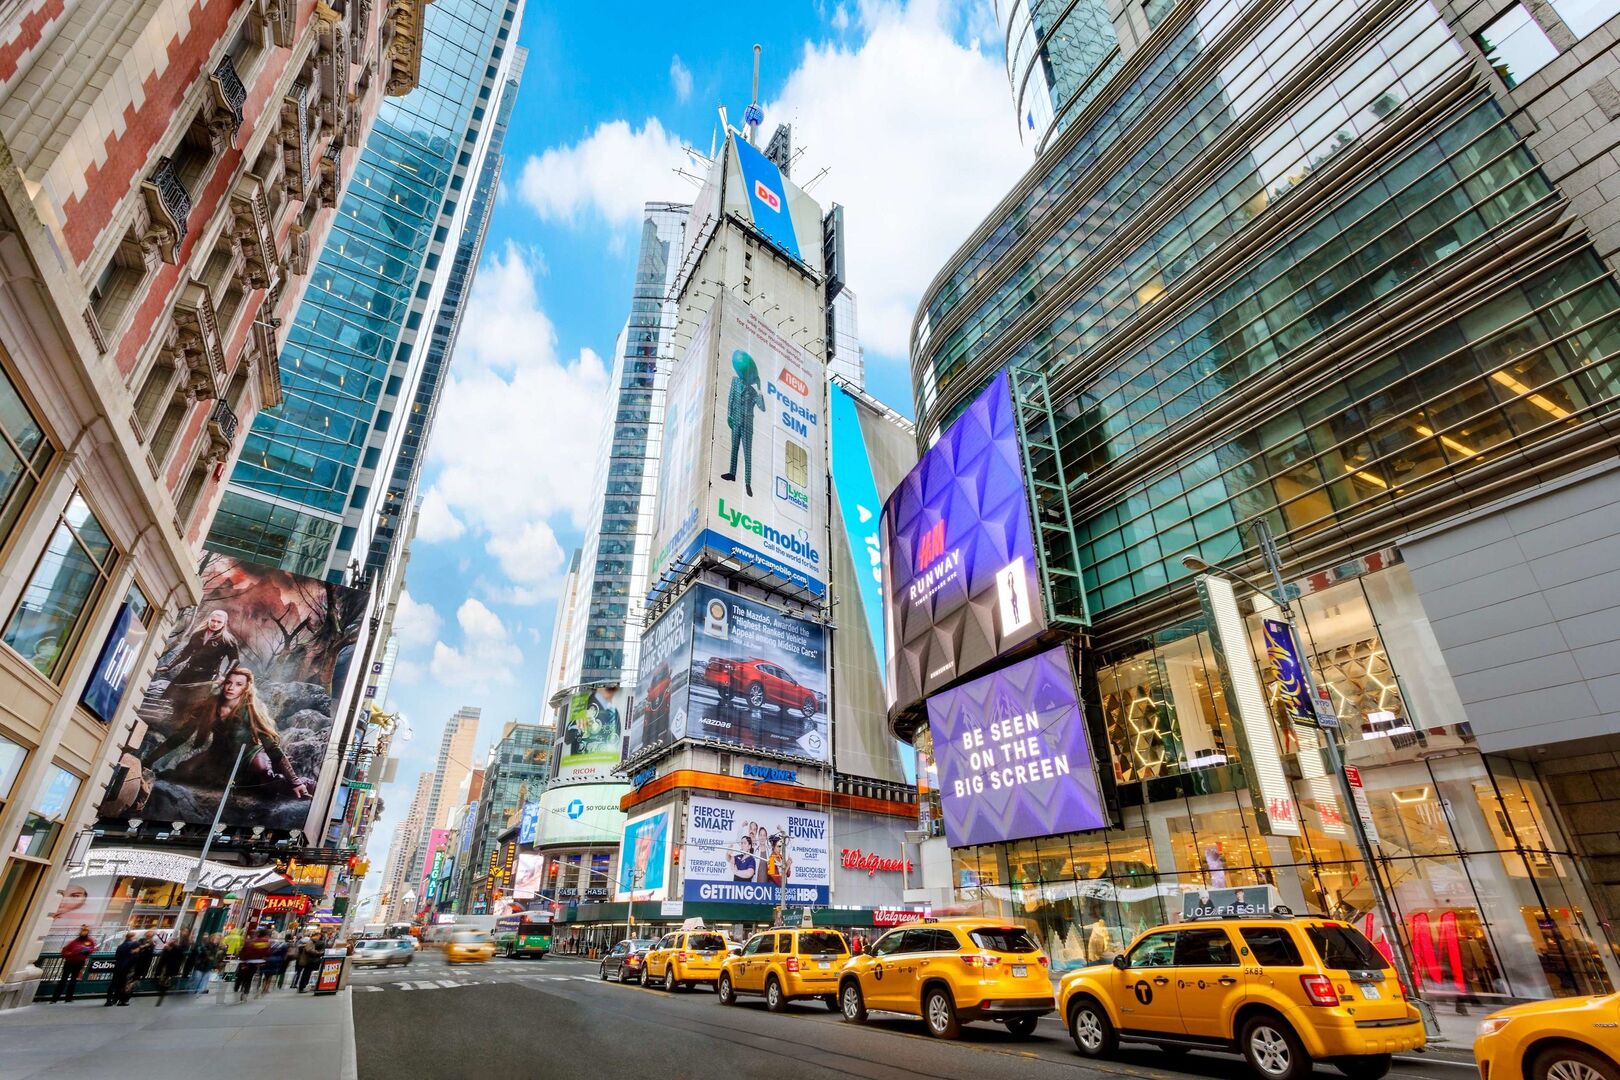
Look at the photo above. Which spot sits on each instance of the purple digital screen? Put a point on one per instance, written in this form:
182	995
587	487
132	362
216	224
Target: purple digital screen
963	585
1013	755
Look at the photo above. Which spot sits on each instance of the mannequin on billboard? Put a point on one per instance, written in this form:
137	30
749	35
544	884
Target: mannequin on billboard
744	399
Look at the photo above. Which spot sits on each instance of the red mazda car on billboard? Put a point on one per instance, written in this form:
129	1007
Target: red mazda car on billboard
761	683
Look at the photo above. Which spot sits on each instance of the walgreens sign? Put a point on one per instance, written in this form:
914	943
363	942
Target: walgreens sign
872	862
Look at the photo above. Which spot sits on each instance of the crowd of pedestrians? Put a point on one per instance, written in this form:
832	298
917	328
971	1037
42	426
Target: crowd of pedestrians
188	966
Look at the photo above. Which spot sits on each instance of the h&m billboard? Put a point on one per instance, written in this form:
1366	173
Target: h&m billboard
963	584
1014	756
745	452
751	853
718	666
259	668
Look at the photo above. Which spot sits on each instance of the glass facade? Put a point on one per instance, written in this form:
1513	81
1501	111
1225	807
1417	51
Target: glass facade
518	768
1060	53
616	547
61	593
349	363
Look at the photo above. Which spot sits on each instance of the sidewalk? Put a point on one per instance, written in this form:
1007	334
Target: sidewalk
280	1035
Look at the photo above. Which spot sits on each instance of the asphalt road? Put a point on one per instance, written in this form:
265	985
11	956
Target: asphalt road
552	1018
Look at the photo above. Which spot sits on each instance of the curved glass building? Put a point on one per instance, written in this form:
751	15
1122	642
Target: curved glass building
1346	270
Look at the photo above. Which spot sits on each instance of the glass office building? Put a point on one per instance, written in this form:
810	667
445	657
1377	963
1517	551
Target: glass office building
615	550
306	490
1321	266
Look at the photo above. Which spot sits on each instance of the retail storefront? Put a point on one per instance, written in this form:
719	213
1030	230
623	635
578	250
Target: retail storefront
1476	861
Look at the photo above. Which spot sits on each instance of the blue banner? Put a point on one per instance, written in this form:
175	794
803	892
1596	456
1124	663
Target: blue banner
108	682
529	829
767	197
1282	658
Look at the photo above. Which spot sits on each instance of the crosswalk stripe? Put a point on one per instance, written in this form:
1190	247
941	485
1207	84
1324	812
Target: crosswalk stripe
423	985
448	982
373	989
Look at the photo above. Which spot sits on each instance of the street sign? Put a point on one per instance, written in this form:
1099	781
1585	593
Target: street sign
1363	809
359	785
1327	714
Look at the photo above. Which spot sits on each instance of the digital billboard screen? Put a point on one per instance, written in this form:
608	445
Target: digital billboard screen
962	580
1014	756
591	736
259	666
719	666
751	853
644	857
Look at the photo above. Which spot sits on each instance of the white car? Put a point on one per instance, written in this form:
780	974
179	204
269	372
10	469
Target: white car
383	952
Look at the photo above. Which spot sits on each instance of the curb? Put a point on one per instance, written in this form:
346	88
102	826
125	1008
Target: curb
351	1063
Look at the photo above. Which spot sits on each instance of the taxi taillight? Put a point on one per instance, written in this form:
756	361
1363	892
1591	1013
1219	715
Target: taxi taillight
792	963
1319	989
680	957
980	960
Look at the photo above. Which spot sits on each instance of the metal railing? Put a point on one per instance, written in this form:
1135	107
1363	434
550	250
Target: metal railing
224	418
173	196
231	91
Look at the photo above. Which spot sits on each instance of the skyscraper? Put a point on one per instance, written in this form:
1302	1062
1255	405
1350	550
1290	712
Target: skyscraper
447	787
517	768
402	853
606	631
314	473
1324	294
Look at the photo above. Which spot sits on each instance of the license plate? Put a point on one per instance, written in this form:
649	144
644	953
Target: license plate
1020	970
823	965
1371	993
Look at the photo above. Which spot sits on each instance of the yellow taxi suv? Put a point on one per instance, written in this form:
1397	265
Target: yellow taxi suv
469	947
784	966
951	971
684	959
1283	991
1567	1039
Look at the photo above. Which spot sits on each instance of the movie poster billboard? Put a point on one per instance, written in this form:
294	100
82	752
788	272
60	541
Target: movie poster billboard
1014	756
644	857
721	667
963	584
592	735
526	879
257	668
749	853
745	462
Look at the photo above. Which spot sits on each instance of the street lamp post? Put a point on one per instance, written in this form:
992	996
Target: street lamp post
1335	760
195	879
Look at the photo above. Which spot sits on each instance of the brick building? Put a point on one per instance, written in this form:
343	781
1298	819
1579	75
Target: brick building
170	171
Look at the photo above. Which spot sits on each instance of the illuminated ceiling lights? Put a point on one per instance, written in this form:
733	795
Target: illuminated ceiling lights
1447	441
1540	401
1371	478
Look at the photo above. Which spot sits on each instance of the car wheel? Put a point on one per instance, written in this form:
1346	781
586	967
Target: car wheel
601	972
1373	1067
756	696
831	1001
1273	1050
624	975
1022	1026
940	1013
851	1004
1570	1063
724	992
1093	1033
774	998
809	709
669	980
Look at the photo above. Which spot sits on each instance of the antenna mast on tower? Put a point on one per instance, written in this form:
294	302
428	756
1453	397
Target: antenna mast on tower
753	116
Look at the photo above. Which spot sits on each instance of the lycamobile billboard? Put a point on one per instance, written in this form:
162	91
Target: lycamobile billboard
745	452
1014	756
963	585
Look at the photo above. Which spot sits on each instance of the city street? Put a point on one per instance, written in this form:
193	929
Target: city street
554	1018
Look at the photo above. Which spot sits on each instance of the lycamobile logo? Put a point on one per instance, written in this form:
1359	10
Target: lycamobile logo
793	545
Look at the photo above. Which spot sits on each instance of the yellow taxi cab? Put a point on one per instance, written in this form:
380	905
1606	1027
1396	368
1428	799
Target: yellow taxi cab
685	958
1566	1039
784	966
951	971
469	947
1282	990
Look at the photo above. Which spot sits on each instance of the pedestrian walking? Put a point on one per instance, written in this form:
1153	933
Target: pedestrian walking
205	958
309	958
75	955
250	961
123	981
275	965
171	961
144	957
232	941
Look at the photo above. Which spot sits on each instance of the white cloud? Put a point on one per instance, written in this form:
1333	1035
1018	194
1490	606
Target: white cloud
436	523
486	657
917	175
840	18
415	622
516	438
680	79
609	174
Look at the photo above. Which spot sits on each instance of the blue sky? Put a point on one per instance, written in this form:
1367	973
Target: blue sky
905	105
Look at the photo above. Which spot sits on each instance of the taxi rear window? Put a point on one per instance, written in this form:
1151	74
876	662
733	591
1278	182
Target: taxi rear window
1011	939
704	942
821	943
1343	948
1271	946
